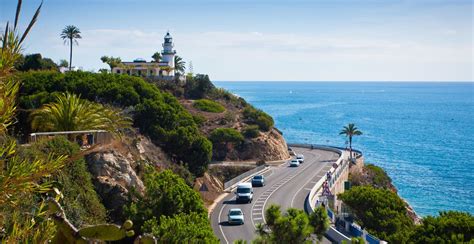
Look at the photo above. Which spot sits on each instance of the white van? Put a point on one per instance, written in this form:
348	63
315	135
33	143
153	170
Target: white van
244	192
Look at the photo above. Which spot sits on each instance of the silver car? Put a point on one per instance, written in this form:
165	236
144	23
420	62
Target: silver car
294	163
300	158
235	216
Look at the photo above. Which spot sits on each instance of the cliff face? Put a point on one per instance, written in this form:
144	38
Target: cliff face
116	169
371	175
268	145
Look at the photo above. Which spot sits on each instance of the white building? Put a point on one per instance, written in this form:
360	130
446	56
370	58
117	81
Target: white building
163	69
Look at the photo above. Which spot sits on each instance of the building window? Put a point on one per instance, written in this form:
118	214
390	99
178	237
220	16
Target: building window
118	71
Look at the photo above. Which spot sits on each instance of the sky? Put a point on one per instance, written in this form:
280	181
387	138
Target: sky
263	40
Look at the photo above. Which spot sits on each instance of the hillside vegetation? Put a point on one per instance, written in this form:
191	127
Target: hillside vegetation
157	114
237	130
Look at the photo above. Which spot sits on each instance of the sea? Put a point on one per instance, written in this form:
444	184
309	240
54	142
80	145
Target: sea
421	133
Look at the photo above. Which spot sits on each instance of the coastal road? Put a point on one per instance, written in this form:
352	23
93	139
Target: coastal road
285	186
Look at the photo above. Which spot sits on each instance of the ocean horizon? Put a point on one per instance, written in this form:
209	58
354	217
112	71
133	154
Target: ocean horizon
421	133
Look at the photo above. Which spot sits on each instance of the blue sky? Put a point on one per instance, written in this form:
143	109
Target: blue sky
331	40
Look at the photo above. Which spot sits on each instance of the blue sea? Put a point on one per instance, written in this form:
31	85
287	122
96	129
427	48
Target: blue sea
422	134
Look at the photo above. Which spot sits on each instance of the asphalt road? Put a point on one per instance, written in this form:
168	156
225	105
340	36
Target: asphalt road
285	186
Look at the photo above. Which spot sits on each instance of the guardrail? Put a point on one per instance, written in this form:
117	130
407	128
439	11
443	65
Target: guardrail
310	202
231	182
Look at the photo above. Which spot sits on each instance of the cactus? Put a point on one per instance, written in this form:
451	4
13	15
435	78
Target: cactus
145	239
68	233
105	232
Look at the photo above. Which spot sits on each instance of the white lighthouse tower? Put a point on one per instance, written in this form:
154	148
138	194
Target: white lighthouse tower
168	53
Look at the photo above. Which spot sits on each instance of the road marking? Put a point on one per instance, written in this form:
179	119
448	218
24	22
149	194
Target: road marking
308	189
256	209
294	175
220	226
258	218
294	196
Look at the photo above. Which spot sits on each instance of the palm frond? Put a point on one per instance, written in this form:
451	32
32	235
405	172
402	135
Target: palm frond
5	38
17	14
32	22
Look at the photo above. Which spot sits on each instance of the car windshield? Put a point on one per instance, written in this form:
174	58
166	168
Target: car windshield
294	161
299	157
258	177
243	190
235	212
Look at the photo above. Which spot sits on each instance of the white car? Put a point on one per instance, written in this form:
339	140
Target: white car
294	163
300	158
235	216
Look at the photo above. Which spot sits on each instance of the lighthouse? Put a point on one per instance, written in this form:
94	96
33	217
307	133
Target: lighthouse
168	53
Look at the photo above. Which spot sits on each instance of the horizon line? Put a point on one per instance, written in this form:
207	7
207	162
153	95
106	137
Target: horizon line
342	81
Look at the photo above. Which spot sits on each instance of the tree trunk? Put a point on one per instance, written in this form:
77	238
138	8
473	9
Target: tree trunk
70	54
350	147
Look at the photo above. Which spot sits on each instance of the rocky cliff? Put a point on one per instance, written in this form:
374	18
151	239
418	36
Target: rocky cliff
117	168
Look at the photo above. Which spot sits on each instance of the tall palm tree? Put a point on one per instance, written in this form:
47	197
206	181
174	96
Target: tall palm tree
179	64
350	130
70	34
71	113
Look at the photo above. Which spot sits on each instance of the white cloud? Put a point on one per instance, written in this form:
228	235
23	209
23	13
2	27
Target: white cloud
276	56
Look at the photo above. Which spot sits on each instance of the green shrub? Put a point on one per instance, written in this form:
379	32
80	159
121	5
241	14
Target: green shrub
199	119
250	131
256	116
181	228
379	177
448	227
81	203
198	87
226	135
158	114
381	211
208	106
166	195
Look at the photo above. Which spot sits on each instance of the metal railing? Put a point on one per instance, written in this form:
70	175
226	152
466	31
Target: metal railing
240	177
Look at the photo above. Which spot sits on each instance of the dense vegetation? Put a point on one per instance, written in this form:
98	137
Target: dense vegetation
448	227
81	203
382	212
250	131
224	139
157	114
294	226
256	116
207	105
169	203
371	175
35	62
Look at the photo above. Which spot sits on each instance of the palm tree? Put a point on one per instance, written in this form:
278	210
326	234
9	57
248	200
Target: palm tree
179	64
156	57
350	130
111	61
71	113
70	34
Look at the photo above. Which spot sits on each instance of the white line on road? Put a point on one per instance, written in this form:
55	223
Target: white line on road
220	226
294	196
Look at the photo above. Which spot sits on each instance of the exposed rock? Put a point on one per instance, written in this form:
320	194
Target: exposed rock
268	146
209	188
113	178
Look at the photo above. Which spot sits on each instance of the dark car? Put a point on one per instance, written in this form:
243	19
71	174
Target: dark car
258	180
